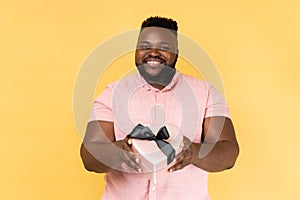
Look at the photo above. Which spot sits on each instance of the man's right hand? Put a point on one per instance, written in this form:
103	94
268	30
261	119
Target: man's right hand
99	153
127	155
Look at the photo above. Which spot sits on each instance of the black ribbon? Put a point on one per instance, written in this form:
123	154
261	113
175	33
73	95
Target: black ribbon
144	133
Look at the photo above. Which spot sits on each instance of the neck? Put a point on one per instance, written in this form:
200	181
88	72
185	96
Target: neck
158	86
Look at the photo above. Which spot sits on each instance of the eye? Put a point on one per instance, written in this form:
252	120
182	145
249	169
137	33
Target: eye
144	46
164	48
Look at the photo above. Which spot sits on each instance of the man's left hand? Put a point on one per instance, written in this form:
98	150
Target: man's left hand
188	154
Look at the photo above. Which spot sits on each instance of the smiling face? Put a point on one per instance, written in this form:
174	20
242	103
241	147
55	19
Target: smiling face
156	53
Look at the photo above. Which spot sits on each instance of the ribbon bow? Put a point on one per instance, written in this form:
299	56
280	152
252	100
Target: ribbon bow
144	133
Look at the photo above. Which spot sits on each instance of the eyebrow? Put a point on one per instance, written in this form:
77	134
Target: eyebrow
146	42
165	43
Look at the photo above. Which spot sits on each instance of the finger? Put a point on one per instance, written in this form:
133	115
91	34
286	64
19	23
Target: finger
184	154
132	161
179	157
126	147
186	143
133	156
183	159
181	144
128	154
177	166
133	165
129	141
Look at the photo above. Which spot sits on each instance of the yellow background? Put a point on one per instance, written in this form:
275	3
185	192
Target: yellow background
254	44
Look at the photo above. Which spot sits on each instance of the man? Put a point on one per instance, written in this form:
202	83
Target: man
159	95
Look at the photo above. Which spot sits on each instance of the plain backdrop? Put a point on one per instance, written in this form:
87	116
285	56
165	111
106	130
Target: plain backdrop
254	44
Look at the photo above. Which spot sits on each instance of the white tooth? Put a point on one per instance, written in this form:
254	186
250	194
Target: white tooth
153	62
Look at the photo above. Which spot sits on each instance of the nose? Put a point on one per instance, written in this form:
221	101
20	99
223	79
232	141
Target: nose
154	51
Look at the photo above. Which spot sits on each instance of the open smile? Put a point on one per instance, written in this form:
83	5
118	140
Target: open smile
153	62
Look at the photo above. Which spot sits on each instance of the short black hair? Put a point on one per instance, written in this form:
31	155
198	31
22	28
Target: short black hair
162	22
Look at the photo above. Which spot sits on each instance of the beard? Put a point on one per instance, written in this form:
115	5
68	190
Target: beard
163	77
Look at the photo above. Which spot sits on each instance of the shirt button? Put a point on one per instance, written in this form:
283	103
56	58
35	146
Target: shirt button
153	188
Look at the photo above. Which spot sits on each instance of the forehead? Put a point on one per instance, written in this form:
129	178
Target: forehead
157	35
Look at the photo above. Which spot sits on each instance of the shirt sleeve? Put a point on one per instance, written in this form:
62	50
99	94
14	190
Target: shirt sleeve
216	105
102	108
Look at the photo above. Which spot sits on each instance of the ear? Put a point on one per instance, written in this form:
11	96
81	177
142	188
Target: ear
177	53
176	56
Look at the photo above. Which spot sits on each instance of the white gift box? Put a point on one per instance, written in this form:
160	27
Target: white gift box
151	159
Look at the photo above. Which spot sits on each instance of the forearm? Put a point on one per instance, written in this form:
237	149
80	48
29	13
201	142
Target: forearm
215	157
101	157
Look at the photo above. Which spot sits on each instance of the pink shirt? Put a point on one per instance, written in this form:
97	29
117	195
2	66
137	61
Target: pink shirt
185	102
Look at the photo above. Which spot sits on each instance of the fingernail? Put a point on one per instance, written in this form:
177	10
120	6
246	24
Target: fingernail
137	160
139	170
171	170
129	141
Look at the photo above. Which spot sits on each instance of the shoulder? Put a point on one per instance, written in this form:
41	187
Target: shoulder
195	83
200	87
123	83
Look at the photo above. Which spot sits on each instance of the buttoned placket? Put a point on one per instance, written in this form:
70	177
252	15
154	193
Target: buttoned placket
160	114
152	190
158	118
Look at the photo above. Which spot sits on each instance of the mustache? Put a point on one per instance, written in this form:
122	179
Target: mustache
157	58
